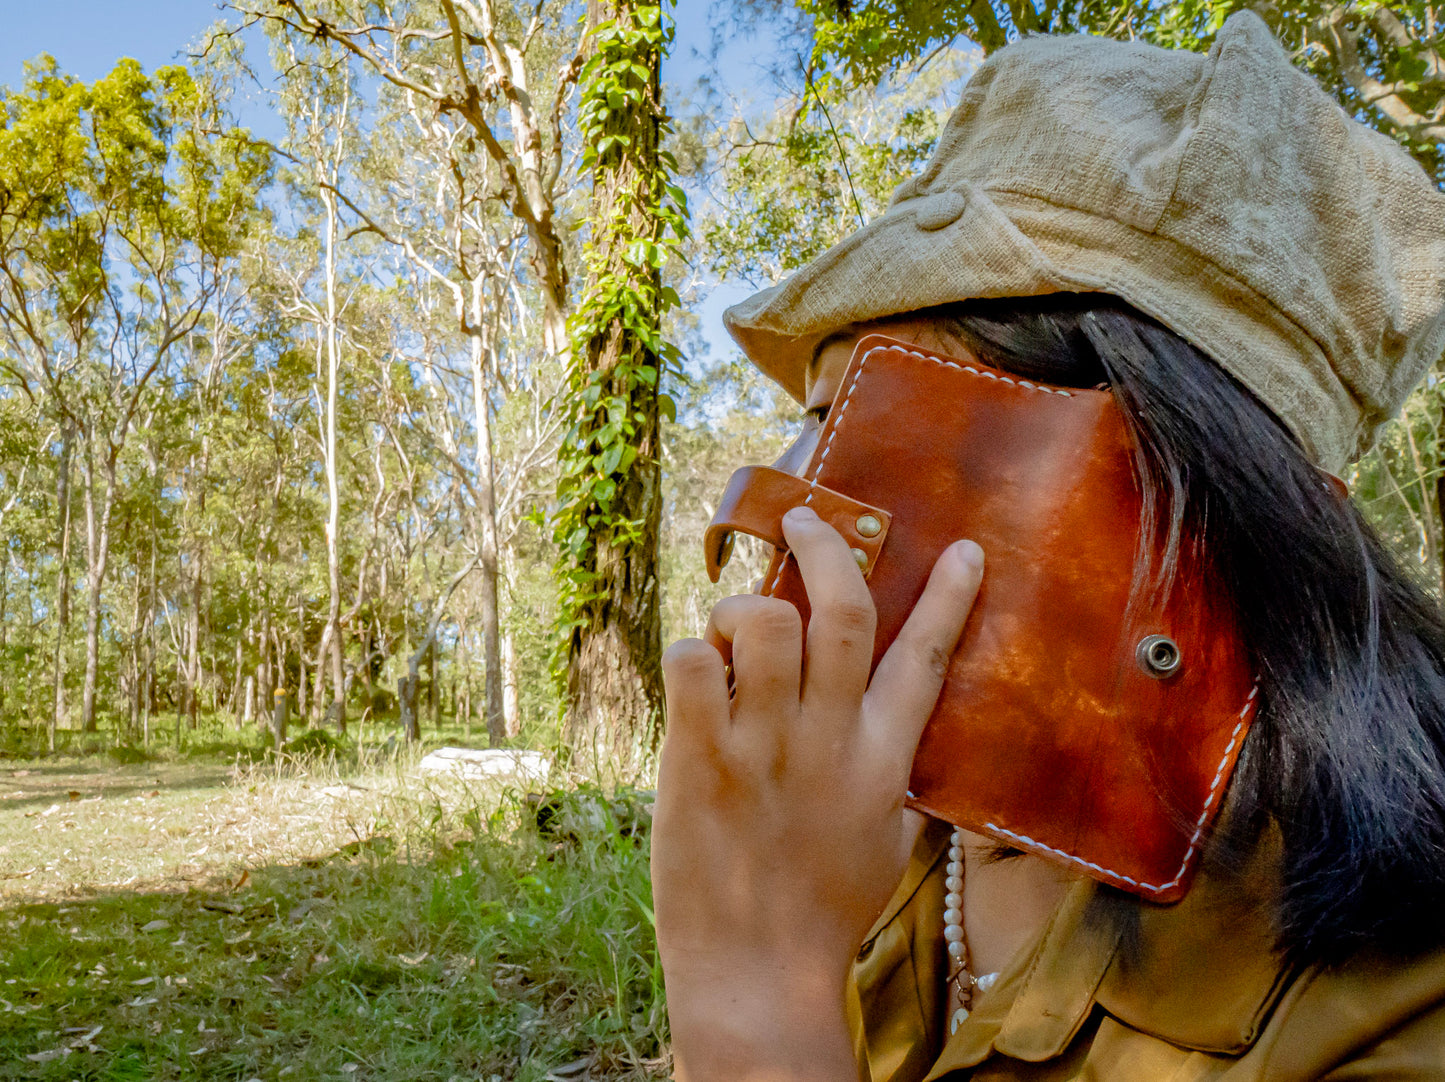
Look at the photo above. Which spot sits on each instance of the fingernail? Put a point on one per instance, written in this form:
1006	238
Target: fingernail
801	514
970	554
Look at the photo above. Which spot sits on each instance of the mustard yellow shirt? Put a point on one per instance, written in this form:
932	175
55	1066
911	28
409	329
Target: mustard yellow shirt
1199	995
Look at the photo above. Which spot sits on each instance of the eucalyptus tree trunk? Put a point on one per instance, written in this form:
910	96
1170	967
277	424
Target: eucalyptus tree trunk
614	674
486	489
62	583
510	685
149	702
4	625
332	635
193	638
99	505
301	658
133	650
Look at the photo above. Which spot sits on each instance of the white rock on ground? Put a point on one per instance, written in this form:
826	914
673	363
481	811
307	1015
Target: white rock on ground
528	766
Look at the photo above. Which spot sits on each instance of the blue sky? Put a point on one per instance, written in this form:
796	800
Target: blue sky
87	37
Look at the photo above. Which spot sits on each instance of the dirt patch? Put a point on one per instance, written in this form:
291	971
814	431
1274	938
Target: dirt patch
70	831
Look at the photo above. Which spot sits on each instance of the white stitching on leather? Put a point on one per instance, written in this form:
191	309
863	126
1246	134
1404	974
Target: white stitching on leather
853	386
837	423
1156	888
1243	711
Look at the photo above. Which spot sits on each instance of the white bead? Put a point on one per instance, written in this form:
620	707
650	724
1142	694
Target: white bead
955	853
953	933
952	917
987	981
954	883
958	950
960	1016
953	900
956	838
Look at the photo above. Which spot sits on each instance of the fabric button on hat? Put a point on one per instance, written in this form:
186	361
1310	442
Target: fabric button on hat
941	209
1225	195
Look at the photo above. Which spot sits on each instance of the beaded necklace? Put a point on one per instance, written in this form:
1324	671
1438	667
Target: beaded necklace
961	982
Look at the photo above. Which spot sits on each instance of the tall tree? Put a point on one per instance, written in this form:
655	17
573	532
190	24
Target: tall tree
120	201
484	57
610	492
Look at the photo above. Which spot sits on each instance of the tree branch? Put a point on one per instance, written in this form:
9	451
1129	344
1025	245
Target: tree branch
1342	43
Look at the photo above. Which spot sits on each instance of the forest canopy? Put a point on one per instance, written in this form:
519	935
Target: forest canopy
393	415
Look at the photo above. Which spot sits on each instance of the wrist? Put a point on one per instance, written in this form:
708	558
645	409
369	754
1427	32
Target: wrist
780	1027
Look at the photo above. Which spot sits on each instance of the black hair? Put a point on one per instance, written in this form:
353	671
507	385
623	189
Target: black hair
1347	752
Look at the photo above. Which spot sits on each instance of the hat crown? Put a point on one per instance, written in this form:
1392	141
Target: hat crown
1225	195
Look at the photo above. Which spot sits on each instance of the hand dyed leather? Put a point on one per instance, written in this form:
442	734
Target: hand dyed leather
1050	734
756	498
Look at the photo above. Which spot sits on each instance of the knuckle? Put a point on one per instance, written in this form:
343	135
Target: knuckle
689	658
936	659
776	620
931	656
849	614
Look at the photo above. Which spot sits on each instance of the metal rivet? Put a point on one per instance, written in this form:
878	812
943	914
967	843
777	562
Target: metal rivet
861	557
725	552
1159	656
868	525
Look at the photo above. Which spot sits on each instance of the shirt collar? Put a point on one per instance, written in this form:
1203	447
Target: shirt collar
1201	974
1205	973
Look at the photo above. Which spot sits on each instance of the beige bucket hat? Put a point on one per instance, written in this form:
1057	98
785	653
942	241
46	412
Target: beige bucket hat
1225	195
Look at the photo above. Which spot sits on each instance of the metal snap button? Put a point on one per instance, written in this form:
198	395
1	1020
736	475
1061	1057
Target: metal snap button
1159	656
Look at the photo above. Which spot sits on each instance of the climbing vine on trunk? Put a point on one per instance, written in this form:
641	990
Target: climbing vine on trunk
609	492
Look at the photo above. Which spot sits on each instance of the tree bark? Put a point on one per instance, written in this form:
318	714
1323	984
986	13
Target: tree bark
486	488
264	683
62	585
4	625
510	697
148	704
332	635
406	703
96	551
614	664
136	679
193	643
301	714
433	692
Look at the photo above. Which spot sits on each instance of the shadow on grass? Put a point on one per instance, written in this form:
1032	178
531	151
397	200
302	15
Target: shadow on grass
48	785
491	953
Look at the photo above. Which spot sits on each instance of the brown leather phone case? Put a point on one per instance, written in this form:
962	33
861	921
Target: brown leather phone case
1081	719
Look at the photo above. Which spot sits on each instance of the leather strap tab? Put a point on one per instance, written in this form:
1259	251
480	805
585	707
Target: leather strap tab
757	497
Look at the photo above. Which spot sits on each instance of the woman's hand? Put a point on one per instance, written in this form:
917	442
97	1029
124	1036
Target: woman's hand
780	831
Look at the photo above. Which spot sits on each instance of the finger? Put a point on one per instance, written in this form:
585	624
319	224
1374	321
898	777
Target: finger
840	630
696	693
913	825
722	624
906	684
762	638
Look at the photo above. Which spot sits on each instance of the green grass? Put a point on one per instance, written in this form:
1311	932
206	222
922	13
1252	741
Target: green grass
217	735
449	939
